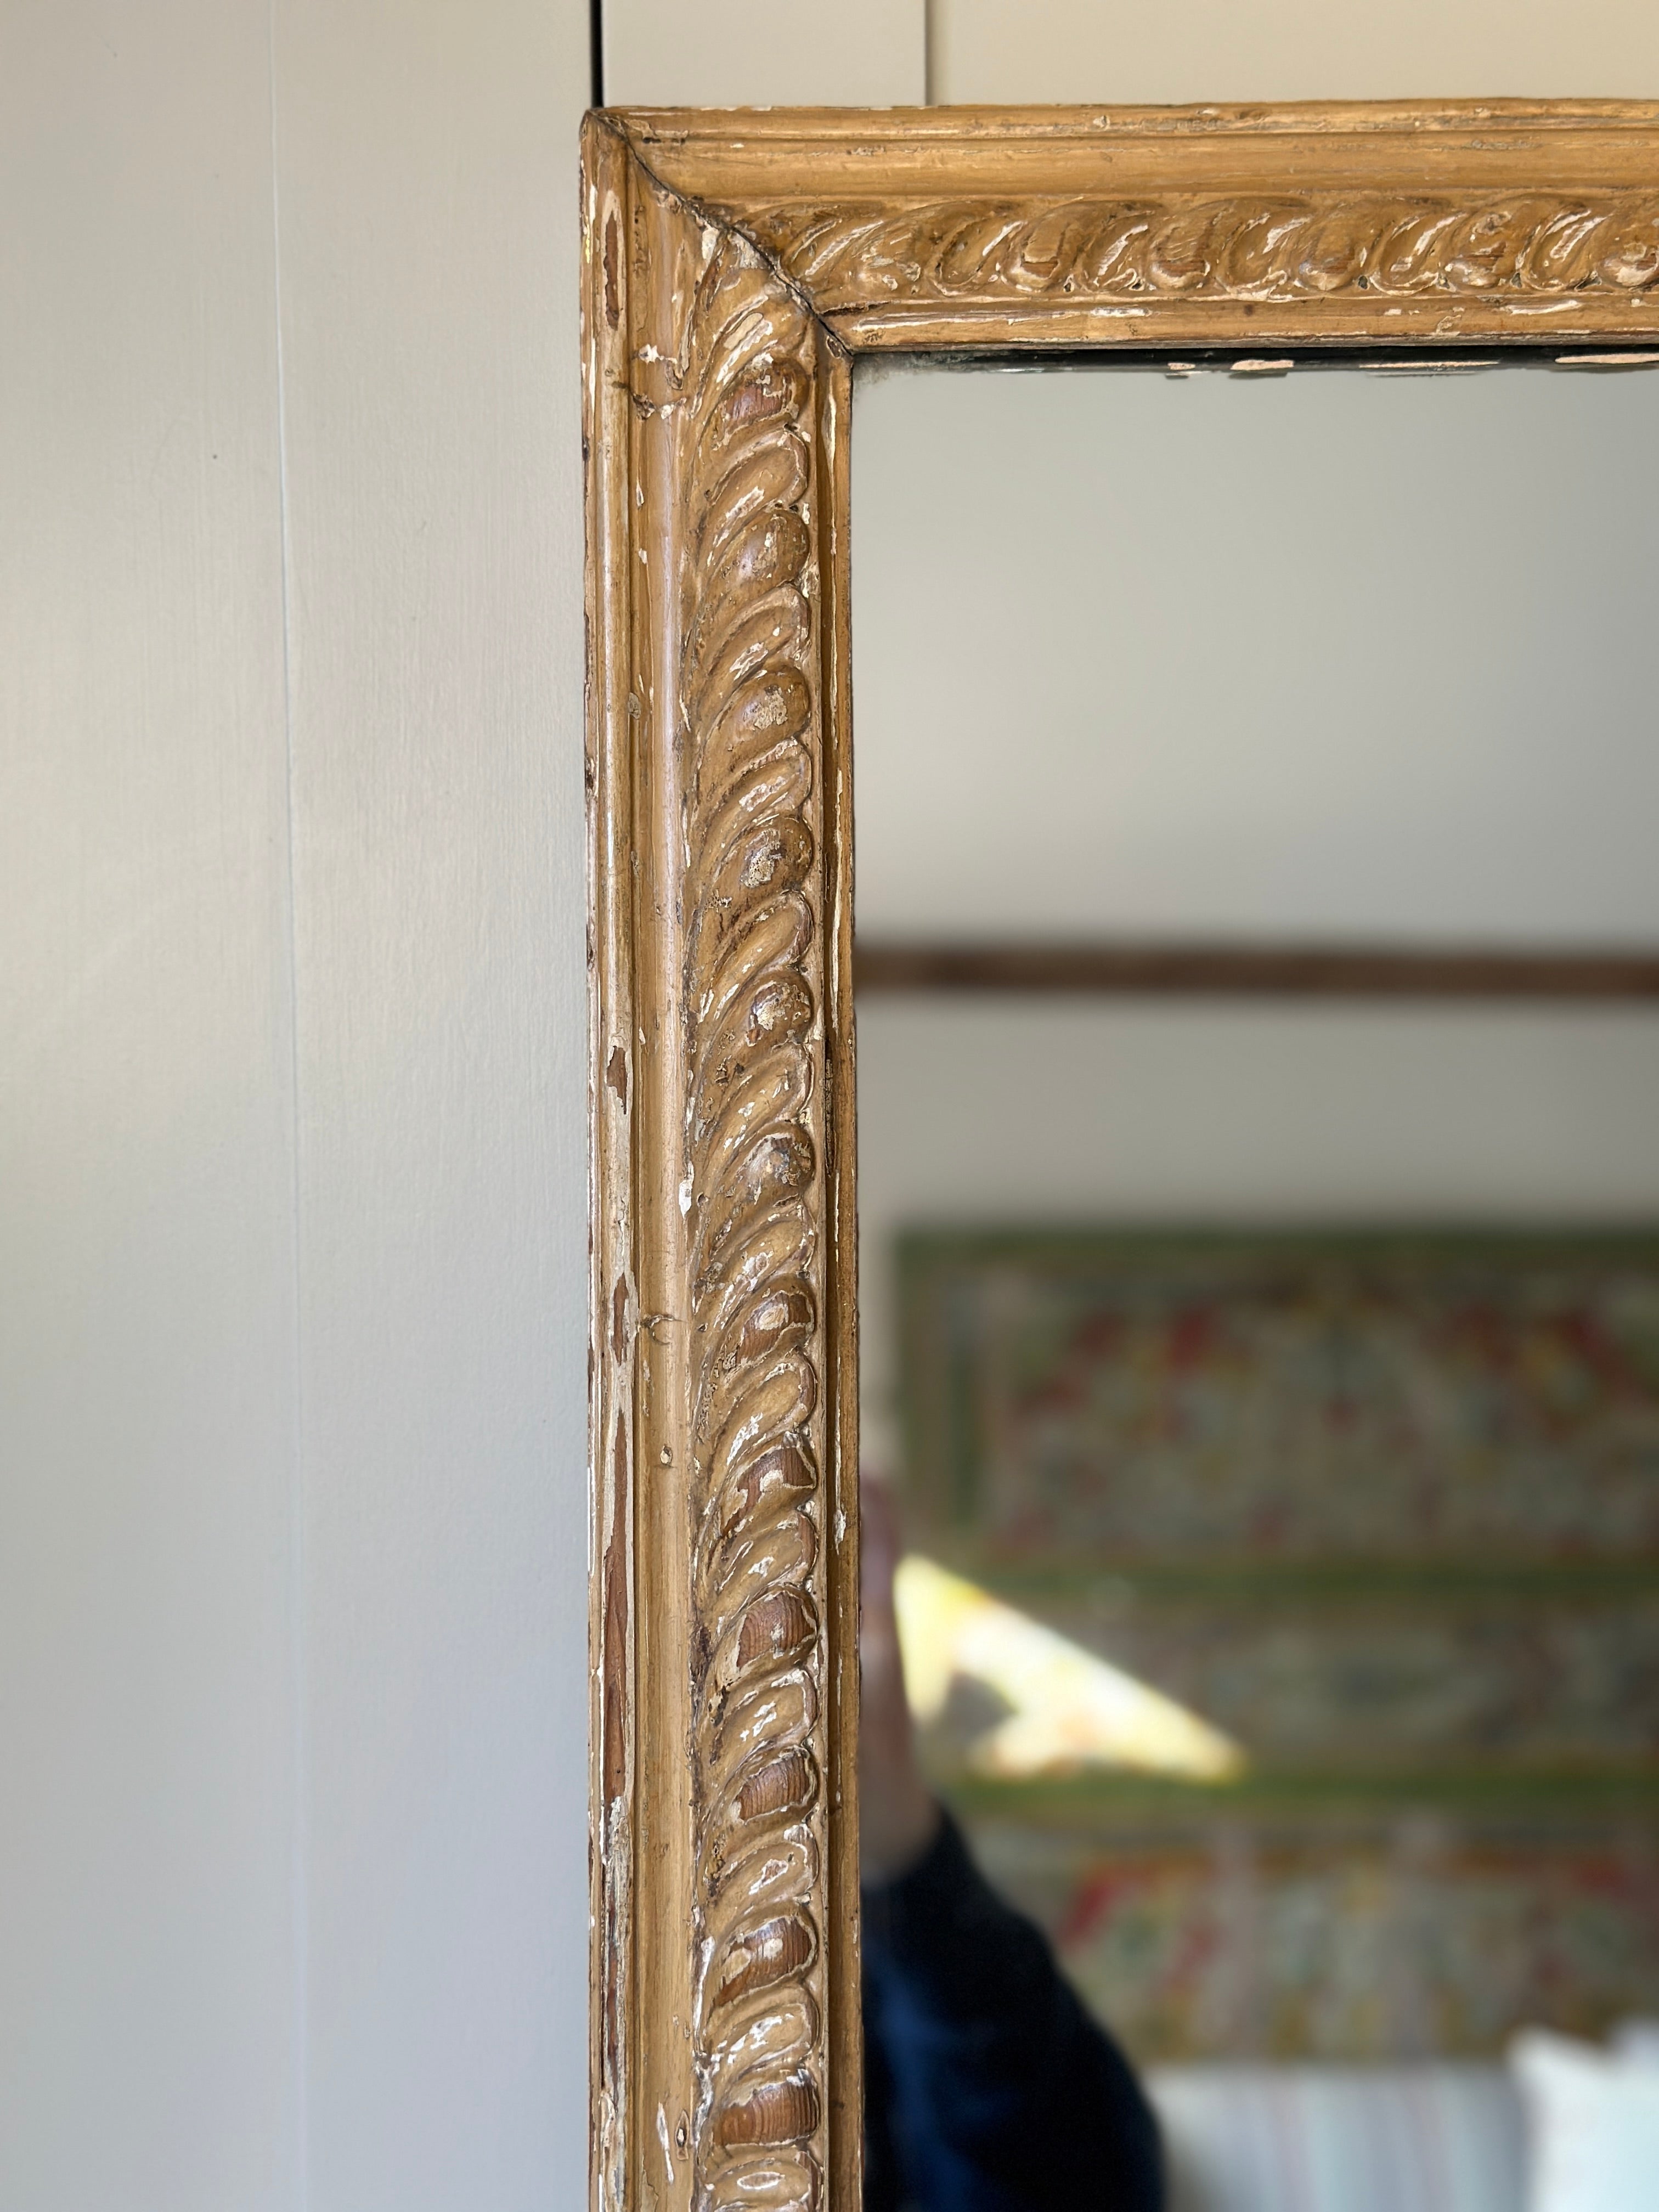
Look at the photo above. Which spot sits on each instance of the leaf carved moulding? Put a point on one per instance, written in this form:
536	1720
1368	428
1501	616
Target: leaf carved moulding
848	256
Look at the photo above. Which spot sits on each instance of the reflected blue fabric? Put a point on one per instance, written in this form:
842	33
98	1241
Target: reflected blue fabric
987	2087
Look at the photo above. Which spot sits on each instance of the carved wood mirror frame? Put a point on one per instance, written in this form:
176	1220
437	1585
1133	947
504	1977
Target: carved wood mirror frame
736	265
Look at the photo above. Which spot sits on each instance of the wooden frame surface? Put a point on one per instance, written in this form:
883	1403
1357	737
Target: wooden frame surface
735	265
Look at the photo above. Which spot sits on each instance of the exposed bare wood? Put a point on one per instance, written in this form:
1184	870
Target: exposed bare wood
1239	971
708	704
611	1091
734	264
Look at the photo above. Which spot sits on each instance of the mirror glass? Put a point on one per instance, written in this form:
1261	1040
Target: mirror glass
1256	773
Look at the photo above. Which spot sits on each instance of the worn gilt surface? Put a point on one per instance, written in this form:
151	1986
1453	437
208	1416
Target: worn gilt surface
751	1194
732	265
1254	247
722	2093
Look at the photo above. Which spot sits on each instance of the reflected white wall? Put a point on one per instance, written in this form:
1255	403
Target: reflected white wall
1083	1112
1336	653
1330	656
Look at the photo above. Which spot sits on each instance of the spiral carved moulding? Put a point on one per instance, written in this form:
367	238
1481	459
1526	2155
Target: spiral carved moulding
746	699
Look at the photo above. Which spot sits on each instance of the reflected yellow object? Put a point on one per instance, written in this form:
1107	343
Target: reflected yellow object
1069	1709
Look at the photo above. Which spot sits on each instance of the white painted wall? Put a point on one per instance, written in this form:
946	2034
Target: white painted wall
1277	50
427	193
883	52
760	53
149	2048
291	1499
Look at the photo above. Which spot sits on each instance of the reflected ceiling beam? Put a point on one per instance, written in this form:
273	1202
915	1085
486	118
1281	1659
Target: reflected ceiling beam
1134	968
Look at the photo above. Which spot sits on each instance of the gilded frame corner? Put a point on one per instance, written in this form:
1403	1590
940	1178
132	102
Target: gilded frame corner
735	265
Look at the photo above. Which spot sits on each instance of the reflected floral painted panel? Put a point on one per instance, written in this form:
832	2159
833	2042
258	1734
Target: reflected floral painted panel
1259	1398
1285	1623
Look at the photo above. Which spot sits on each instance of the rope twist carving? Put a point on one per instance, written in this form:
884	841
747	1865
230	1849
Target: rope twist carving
747	705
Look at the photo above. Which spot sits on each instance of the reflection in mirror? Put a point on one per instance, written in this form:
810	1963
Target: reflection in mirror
1257	961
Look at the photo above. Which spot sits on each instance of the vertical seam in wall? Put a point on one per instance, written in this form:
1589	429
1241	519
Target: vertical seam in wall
300	1904
596	51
